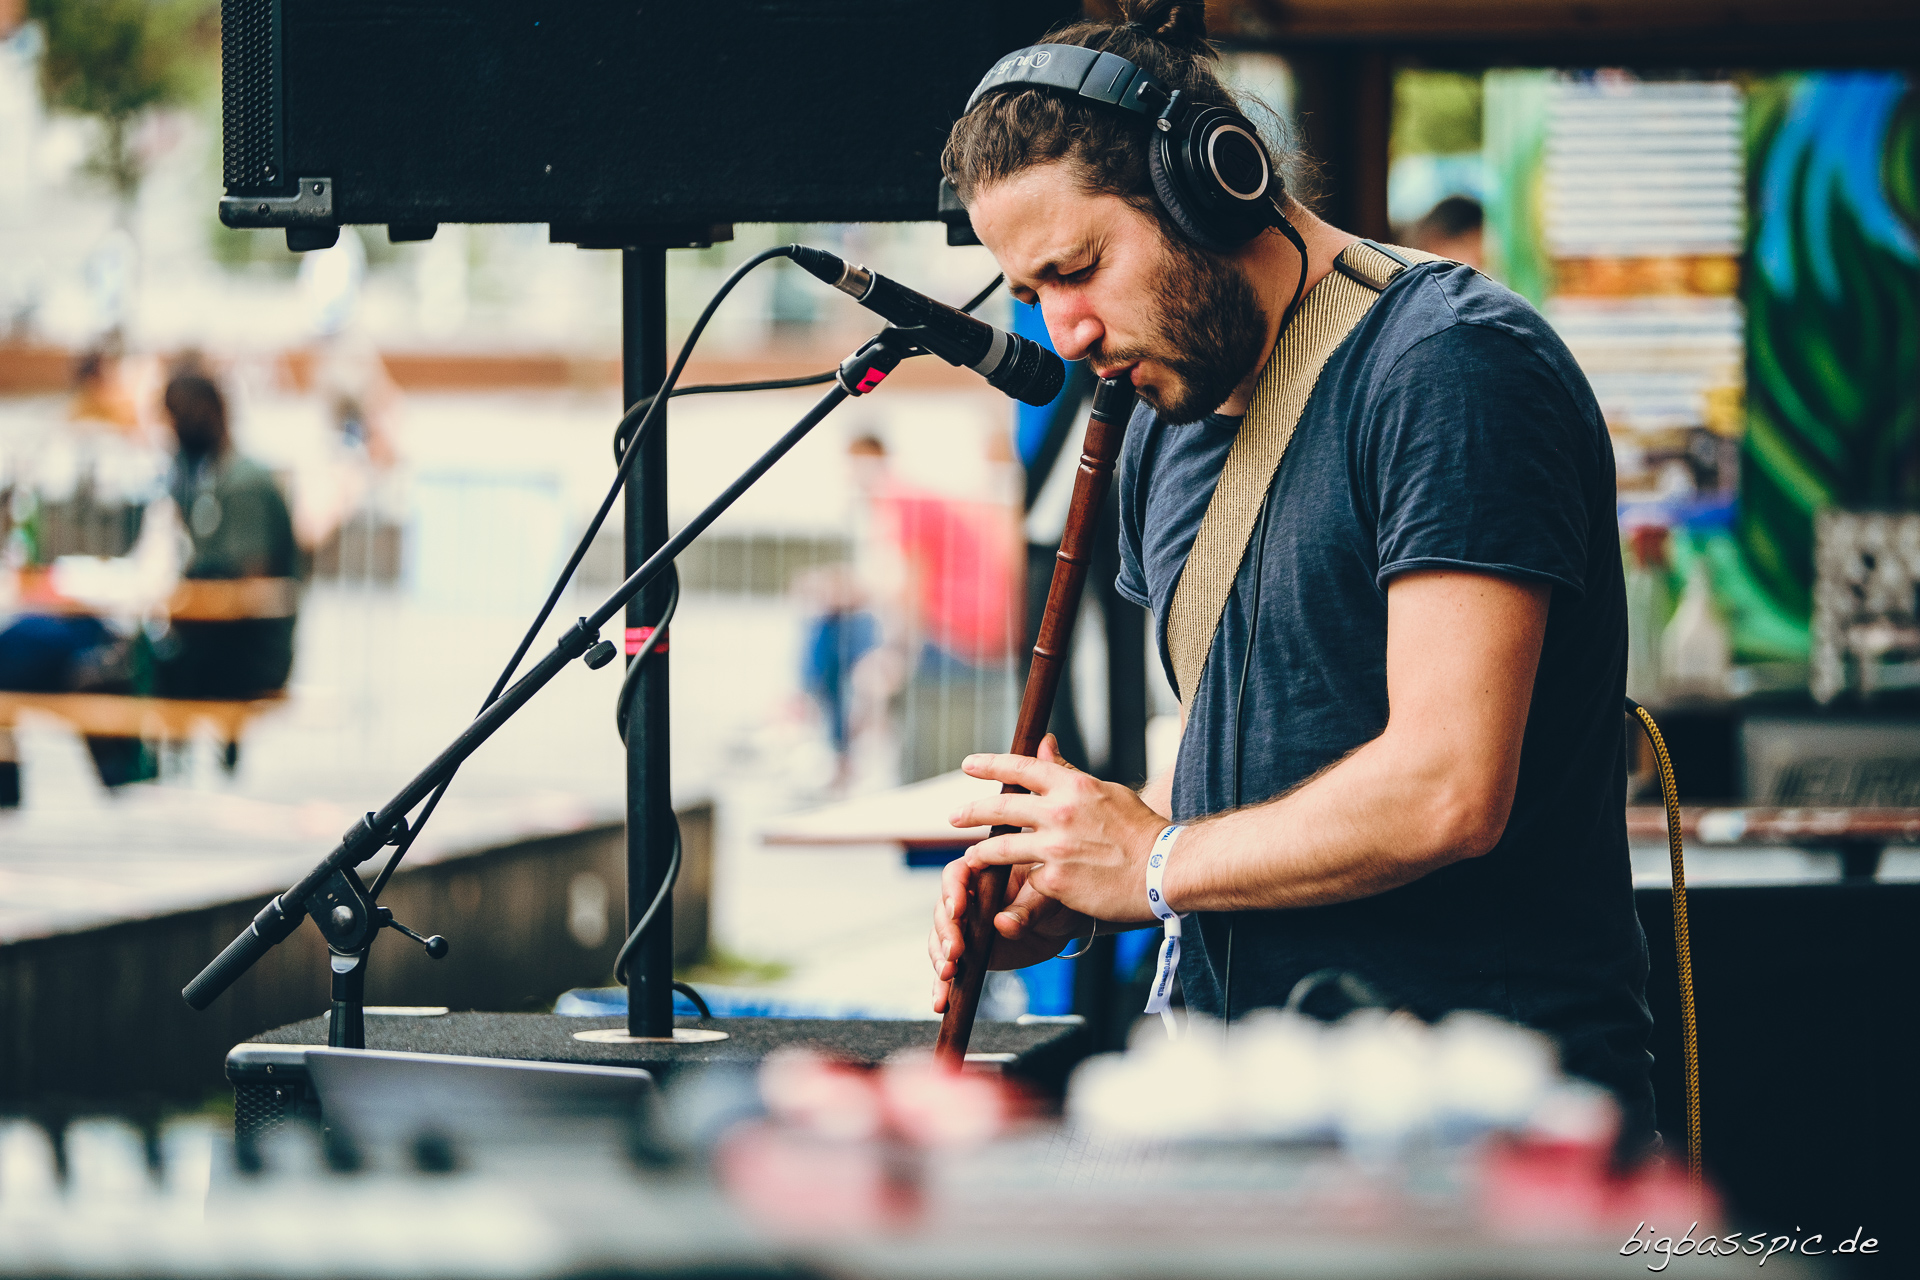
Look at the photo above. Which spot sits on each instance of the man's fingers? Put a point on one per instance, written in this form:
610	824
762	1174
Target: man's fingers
1022	771
1003	810
953	881
1028	909
1014	919
946	941
1028	900
943	951
1007	851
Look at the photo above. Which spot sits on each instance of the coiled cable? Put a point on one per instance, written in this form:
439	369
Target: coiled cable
1682	944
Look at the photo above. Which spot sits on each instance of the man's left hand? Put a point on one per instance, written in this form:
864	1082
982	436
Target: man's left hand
1086	841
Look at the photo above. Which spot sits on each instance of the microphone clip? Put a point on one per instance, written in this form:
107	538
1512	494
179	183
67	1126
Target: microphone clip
877	357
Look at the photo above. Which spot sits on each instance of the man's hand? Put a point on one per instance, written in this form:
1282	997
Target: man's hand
1081	860
1031	927
1084	842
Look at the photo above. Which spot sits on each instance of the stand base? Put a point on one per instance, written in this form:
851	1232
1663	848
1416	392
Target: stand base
681	1035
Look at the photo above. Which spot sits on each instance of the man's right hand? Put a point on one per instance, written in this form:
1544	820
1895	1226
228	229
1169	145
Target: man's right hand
1029	929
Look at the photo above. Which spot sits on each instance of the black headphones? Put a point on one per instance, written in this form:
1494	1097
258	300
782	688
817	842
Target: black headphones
1210	170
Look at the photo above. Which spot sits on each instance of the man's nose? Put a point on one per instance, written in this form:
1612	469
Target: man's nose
1073	330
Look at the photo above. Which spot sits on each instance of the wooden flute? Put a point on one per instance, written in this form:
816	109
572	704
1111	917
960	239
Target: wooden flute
1113	402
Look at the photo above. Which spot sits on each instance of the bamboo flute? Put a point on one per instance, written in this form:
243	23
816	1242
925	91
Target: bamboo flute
1106	427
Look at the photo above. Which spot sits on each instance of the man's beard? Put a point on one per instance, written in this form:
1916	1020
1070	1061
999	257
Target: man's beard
1210	333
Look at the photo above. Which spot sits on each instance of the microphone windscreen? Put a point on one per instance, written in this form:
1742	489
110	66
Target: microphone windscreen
1030	373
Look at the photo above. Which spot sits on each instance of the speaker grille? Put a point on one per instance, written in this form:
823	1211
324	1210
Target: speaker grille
250	94
258	1108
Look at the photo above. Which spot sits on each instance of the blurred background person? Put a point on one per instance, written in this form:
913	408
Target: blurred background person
79	487
1454	228
958	565
238	527
840	633
221	519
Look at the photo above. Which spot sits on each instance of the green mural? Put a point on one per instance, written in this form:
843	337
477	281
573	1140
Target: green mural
1516	111
1833	315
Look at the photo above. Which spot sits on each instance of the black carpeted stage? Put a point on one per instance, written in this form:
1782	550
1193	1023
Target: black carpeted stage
1033	1050
271	1086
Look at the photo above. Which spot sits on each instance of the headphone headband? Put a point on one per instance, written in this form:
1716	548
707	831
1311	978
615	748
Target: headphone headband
1089	73
1211	173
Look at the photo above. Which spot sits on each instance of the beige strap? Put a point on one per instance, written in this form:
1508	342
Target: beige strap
1327	315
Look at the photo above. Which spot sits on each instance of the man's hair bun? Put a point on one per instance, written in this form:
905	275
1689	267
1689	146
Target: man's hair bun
1180	23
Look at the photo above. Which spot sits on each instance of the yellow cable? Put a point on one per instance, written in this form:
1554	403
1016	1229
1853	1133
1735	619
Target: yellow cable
1682	948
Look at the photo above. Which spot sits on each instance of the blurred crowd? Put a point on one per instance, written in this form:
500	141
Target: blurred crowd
146	554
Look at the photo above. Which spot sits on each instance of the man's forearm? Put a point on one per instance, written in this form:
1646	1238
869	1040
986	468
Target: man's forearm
1380	818
1435	786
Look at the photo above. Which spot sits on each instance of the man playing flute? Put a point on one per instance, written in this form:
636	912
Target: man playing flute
1403	757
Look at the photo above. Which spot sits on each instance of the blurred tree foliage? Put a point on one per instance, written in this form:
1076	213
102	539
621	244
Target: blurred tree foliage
115	60
1435	113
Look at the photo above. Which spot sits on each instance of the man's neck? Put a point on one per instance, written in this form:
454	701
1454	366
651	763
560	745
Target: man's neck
1273	265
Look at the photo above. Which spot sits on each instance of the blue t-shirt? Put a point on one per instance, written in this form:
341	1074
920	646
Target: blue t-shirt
1451	429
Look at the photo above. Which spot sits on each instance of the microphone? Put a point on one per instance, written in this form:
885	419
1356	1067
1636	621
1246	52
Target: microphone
1022	368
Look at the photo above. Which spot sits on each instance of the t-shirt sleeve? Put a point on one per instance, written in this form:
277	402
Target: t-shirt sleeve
1131	581
1478	461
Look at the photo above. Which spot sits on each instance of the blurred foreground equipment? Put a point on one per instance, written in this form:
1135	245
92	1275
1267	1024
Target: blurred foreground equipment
817	1165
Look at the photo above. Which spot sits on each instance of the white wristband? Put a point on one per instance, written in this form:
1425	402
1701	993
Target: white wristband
1169	960
1157	873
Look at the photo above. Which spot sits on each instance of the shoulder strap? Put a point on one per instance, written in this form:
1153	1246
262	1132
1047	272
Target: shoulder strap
1327	315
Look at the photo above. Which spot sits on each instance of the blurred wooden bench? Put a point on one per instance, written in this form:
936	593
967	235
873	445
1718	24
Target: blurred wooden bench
193	600
169	720
233	599
165	720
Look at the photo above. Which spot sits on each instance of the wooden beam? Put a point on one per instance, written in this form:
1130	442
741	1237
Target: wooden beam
1373	20
1343	99
1574	33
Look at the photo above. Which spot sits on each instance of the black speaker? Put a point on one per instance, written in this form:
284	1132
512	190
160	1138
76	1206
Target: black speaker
598	118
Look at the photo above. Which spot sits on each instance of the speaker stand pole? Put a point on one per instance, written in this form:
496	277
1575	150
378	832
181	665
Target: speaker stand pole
651	829
649	784
347	1023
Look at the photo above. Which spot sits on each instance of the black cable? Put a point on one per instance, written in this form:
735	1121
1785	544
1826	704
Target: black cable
629	684
653	909
623	704
1253	625
699	1002
647	414
1239	708
1253	621
1292	233
639	419
717	388
984	294
773	384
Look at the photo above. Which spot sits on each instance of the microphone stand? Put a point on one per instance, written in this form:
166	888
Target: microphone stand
333	893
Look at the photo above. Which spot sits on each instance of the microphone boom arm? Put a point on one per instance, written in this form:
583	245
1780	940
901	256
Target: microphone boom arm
860	373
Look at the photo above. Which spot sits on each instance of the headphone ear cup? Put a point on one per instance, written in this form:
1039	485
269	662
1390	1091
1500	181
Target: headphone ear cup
1179	207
